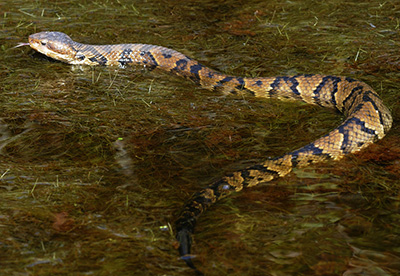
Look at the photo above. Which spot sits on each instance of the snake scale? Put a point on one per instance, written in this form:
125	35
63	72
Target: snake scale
367	119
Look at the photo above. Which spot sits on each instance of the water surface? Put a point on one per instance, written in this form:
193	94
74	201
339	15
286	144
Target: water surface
97	162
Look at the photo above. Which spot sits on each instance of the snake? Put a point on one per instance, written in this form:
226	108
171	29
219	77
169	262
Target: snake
366	118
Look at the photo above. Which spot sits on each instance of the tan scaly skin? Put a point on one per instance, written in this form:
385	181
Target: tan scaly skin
367	118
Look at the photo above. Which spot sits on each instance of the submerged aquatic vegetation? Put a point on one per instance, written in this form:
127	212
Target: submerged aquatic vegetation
67	205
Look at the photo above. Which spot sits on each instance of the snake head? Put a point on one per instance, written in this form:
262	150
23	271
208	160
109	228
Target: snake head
56	45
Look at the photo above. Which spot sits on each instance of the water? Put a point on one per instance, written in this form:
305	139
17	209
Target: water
97	162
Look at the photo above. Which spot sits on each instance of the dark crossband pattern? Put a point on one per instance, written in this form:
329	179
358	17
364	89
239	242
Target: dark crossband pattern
367	119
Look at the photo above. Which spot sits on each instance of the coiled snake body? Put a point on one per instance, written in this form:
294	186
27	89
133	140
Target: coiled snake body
367	118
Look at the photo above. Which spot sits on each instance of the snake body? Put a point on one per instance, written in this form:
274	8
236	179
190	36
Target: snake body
367	119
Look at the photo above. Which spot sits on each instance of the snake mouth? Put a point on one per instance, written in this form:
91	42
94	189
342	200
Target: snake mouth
35	44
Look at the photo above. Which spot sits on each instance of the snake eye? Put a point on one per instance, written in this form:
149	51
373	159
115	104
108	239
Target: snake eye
43	42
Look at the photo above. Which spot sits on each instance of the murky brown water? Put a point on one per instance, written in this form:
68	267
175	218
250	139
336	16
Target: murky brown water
96	162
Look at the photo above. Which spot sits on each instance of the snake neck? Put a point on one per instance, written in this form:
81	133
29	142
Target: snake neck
151	57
